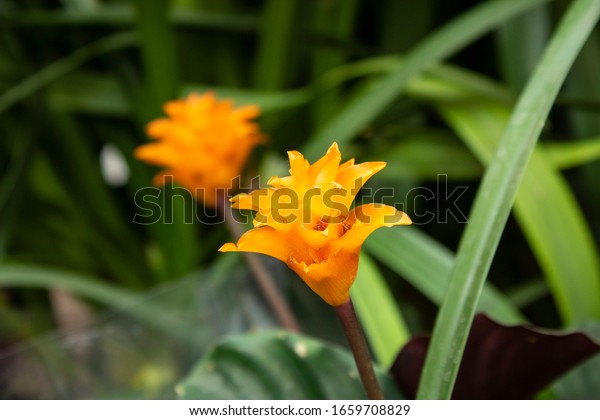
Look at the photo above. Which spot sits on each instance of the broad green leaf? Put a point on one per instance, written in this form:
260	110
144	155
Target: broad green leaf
378	312
277	365
426	264
492	206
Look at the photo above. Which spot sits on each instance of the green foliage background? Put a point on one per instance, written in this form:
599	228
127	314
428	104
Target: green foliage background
427	86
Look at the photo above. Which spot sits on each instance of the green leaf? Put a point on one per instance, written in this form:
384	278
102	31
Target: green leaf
583	382
566	155
425	156
559	238
435	48
331	20
28	276
63	66
583	83
521	42
157	43
12	189
378	313
426	264
268	101
277	365
140	345
123	15
277	33
191	310
159	55
524	294
96	202
85	92
493	202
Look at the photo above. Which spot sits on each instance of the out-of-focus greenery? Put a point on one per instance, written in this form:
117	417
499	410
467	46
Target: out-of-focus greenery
94	305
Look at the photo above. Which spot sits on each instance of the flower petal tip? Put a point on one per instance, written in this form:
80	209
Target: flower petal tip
404	219
228	247
398	218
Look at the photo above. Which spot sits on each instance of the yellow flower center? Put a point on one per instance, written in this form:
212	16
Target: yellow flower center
305	221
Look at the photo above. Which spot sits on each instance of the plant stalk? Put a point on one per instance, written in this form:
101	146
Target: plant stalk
360	350
264	279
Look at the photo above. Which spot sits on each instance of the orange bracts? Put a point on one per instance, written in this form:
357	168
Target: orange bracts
305	221
203	144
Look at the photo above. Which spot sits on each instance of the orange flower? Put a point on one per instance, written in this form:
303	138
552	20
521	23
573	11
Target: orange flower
203	144
305	221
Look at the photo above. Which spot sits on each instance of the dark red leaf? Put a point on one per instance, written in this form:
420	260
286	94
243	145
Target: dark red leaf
500	362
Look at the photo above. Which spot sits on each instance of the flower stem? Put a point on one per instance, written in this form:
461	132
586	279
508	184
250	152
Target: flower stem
265	281
358	344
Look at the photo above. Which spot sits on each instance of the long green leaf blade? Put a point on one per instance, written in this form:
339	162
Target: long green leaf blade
553	224
277	32
158	48
545	206
572	154
32	276
442	44
379	315
426	264
62	67
492	205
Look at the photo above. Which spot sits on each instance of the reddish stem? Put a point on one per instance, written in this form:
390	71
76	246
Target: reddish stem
360	350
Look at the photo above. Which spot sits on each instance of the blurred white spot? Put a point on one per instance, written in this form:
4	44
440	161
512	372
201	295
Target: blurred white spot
353	374
301	349
113	166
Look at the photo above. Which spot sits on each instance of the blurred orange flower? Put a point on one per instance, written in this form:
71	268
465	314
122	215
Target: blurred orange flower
305	221
203	144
